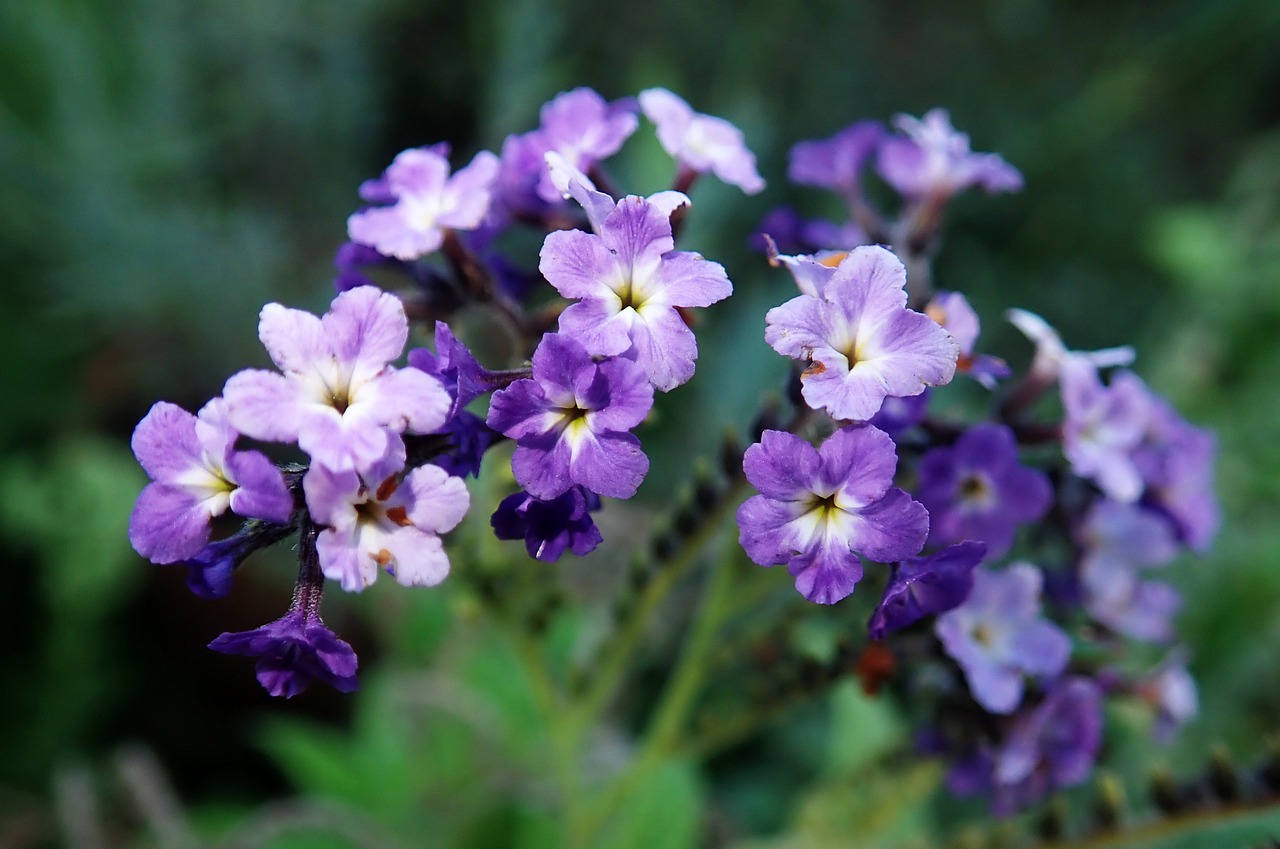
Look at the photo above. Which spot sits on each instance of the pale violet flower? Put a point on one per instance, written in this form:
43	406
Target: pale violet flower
700	142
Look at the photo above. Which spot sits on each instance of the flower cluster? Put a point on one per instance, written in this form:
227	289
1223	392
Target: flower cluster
1118	484
386	447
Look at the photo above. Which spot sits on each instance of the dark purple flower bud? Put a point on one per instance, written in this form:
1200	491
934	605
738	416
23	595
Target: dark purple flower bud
926	586
551	527
292	652
209	572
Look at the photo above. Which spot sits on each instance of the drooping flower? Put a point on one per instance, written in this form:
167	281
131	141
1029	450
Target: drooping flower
338	397
977	489
821	510
933	160
572	419
861	341
424	202
197	475
997	635
294	651
836	163
700	142
631	284
376	521
550	528
926	586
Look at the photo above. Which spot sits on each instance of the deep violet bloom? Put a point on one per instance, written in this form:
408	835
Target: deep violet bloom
631	283
836	163
197	475
1051	746
700	142
926	586
1103	425
209	572
952	311
932	160
998	634
861	341
821	510
549	528
571	421
338	397
376	521
294	651
455	367
976	489
426	201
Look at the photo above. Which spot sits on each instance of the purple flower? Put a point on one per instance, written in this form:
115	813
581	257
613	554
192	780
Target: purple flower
897	415
631	283
455	367
976	489
209	572
861	341
425	201
197	475
934	161
1176	460
1050	747
1116	595
836	163
549	528
998	634
571	422
926	586
292	652
1103	426
374	521
700	142
338	398
821	510
811	273
1171	692
952	311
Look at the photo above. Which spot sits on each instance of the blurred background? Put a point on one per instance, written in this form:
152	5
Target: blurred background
168	166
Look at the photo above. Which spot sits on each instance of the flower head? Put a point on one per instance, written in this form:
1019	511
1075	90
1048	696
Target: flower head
424	202
997	635
1103	426
197	475
571	421
294	651
861	341
700	142
550	528
338	397
836	163
932	159
821	510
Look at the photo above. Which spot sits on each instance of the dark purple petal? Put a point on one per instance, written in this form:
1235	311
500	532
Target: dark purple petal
292	652
926	586
549	528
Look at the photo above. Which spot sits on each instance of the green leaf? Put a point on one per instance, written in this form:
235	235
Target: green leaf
665	810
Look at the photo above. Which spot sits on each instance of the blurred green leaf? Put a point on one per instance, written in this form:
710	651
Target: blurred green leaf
665	810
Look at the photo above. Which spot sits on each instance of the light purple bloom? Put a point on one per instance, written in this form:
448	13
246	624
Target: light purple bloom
952	311
976	489
821	510
997	635
836	163
197	475
926	586
1176	460
861	341
427	201
549	528
375	521
701	142
1049	747
571	422
934	161
811	272
1117	596
293	651
1117	534
632	283
338	397
1103	426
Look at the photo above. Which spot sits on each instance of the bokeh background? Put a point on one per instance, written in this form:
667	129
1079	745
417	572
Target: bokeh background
168	166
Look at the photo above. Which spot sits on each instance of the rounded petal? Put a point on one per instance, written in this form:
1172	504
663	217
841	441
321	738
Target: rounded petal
664	346
420	559
781	465
893	528
388	230
827	573
342	560
611	464
294	339
599	325
265	405
439	500
763	530
366	328
579	265
404	399
858	463
165	442
688	280
169	524
260	488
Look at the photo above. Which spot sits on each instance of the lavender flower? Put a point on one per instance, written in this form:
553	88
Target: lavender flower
821	510
1175	460
571	422
861	341
926	586
1103	427
197	475
934	161
425	201
632	283
294	651
976	489
836	163
375	521
550	528
998	634
700	142
338	398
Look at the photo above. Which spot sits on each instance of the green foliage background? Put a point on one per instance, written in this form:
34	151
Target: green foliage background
167	166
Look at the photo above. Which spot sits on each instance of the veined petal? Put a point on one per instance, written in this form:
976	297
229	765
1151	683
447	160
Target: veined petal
893	528
165	442
365	328
169	524
580	265
439	500
265	405
293	338
688	280
664	346
611	464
